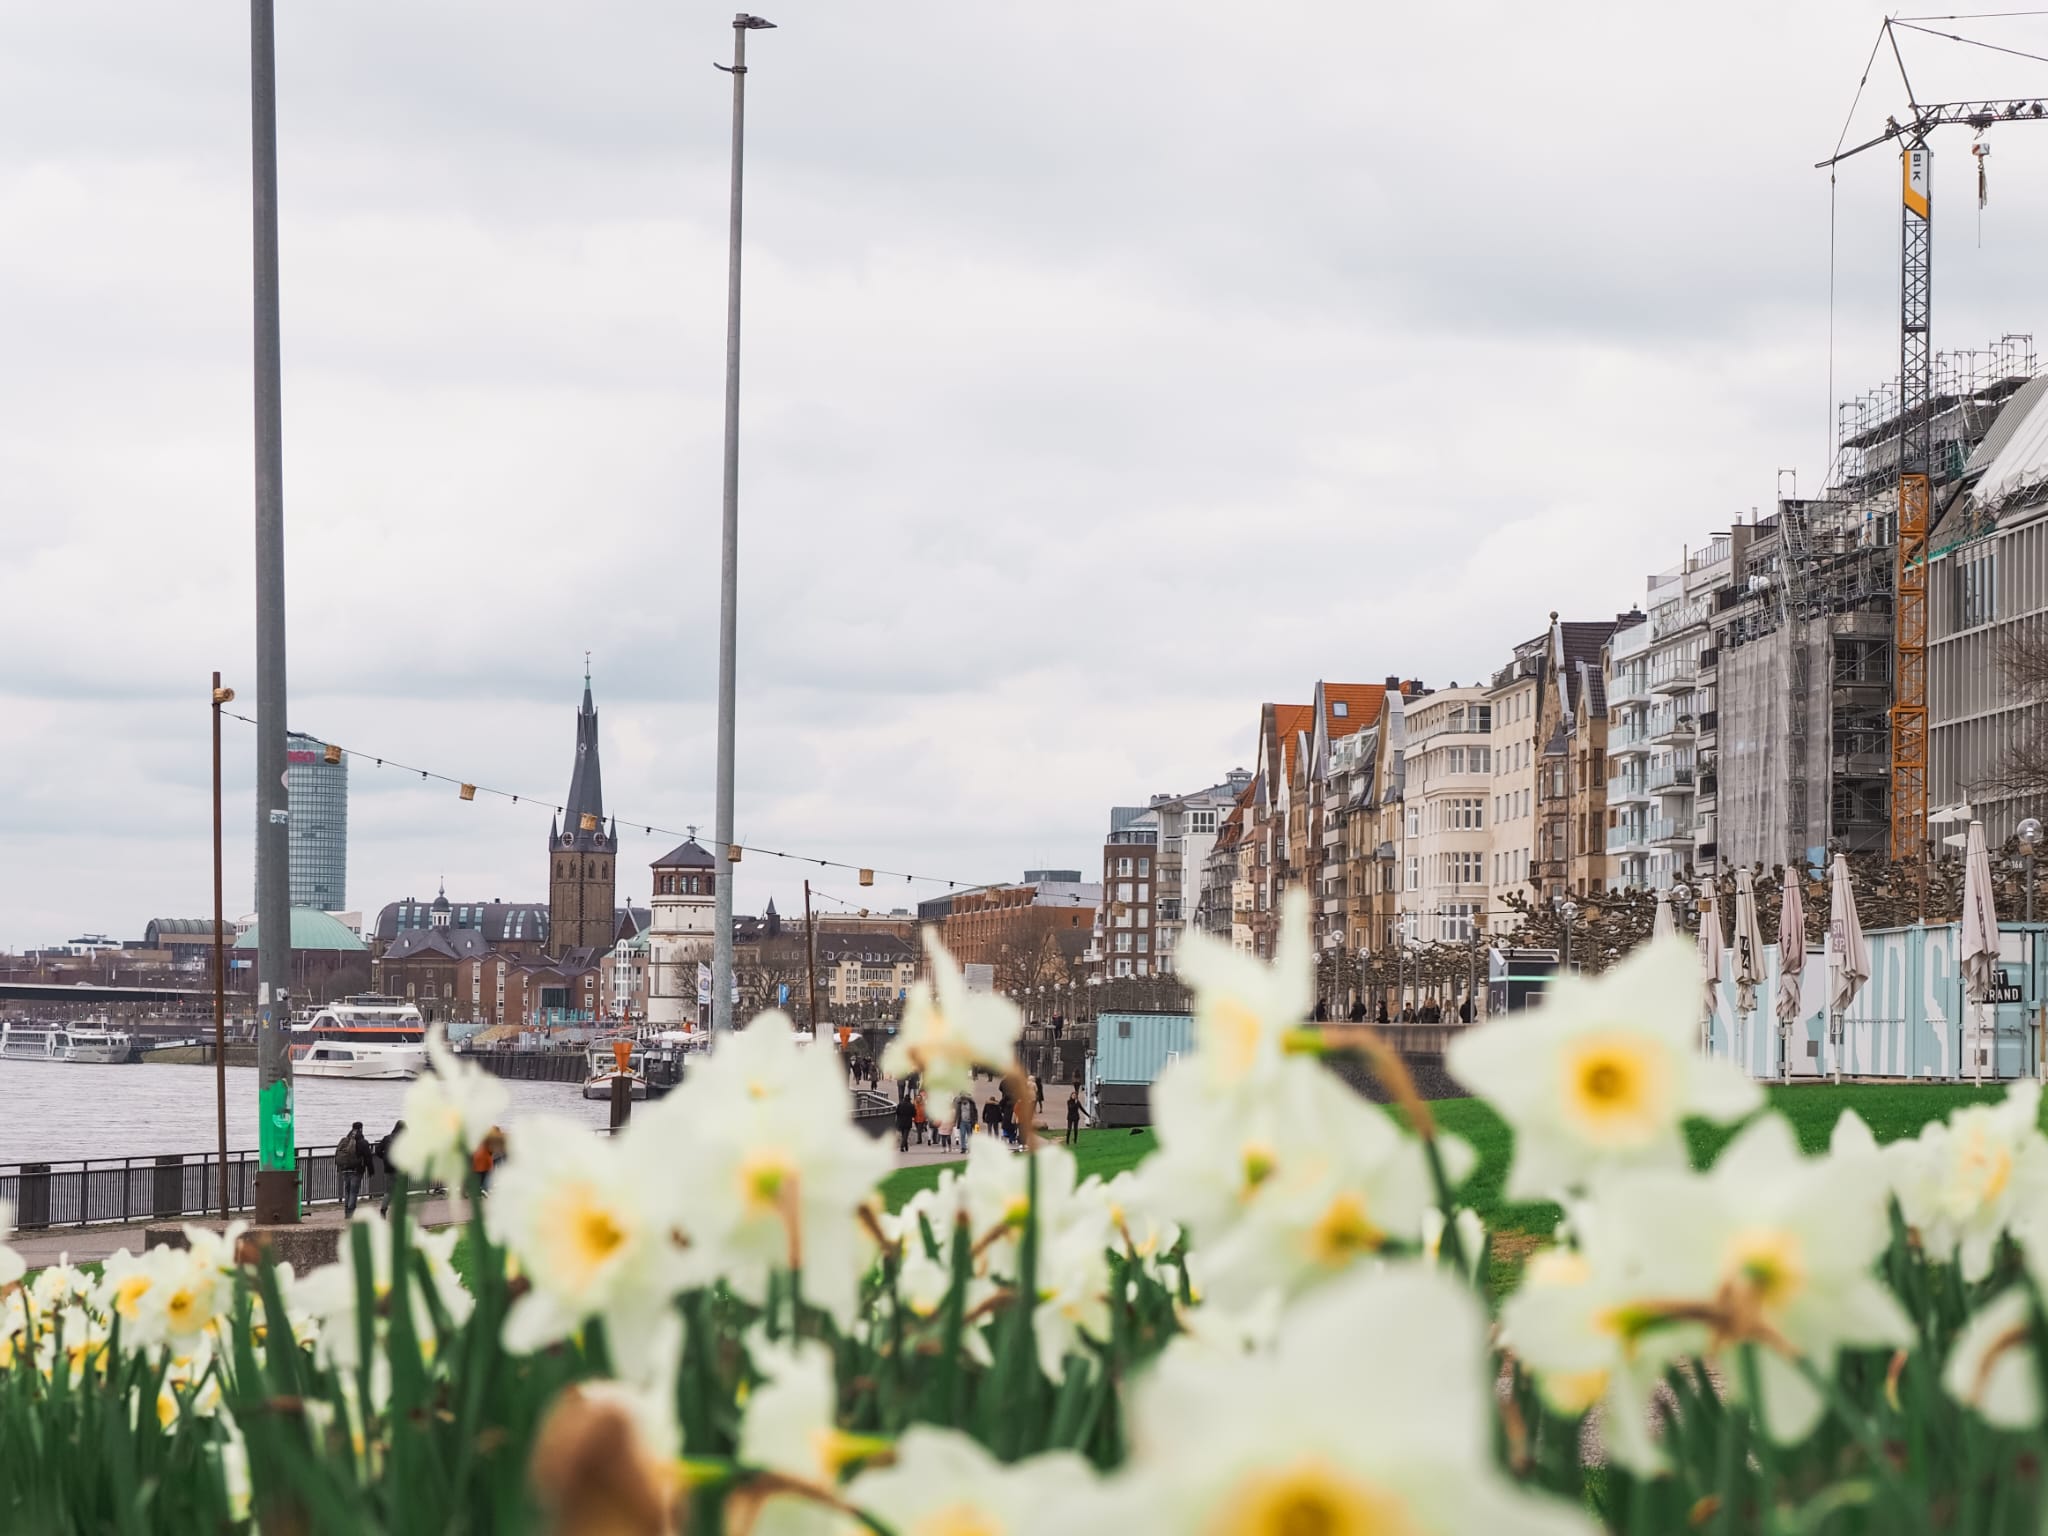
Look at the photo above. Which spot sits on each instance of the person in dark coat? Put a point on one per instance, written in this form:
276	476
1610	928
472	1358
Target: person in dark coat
1322	1013
1357	1014
1073	1116
1380	1014
906	1115
382	1153
352	1159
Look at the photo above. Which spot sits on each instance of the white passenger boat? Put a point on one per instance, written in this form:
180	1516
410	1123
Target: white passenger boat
80	1042
366	1036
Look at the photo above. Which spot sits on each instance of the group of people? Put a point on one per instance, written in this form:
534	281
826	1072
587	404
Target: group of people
357	1159
862	1071
1430	1012
996	1116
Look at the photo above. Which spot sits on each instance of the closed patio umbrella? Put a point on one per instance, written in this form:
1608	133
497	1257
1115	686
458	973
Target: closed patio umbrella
1980	935
1749	947
1664	925
1848	958
1712	948
1791	965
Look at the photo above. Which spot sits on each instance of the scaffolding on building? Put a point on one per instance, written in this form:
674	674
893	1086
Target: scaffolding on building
1806	633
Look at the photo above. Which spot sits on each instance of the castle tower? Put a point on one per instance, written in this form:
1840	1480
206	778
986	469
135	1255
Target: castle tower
679	935
582	854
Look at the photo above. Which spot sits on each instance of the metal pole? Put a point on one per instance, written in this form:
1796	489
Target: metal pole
810	964
277	1176
728	549
220	1001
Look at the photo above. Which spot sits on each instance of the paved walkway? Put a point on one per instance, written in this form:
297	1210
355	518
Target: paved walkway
97	1243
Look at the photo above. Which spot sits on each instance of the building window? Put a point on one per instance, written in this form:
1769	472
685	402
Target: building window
1414	873
1340	709
1144	866
1123	866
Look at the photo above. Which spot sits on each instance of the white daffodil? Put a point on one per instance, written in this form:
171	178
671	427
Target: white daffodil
447	1112
1603	1074
1991	1365
1465	1225
1962	1184
947	1031
593	1229
1142	1230
777	1170
1073	1275
328	1295
790	1428
1372	1412
1289	1186
12	1265
1769	1250
944	1484
61	1287
1243	1007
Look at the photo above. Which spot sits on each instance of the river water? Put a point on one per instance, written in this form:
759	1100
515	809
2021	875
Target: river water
52	1111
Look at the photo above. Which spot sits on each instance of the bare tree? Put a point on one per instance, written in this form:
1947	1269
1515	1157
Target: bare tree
2023	663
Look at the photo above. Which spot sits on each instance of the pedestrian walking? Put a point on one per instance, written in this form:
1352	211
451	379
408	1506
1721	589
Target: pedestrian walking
991	1117
1380	1013
905	1113
1357	1014
963	1120
917	1119
352	1157
486	1158
1073	1116
1322	1013
382	1152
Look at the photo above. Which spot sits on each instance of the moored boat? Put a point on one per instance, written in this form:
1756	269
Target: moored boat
366	1036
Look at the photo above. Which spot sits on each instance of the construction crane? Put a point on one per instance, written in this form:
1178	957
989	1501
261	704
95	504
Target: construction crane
1916	427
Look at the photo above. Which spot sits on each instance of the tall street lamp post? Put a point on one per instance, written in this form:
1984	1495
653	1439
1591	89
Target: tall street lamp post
2029	835
220	969
728	544
277	1178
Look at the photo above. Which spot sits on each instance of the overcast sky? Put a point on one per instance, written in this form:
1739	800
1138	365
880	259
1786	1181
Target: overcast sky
1109	369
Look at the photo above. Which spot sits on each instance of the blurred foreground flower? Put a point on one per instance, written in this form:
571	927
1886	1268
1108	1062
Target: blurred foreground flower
944	1484
1243	1007
598	1472
593	1228
1372	1412
447	1112
947	1031
1991	1367
1962	1184
776	1169
12	1265
1603	1074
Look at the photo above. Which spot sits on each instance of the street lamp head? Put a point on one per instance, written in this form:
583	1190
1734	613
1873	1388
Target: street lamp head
752	23
1569	910
2030	831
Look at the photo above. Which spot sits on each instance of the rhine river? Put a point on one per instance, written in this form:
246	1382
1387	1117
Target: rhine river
58	1111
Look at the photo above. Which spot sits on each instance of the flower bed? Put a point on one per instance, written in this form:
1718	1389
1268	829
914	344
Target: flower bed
1277	1323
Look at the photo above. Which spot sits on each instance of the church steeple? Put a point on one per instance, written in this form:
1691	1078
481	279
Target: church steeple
582	881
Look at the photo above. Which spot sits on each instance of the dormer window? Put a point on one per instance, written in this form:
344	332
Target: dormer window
1341	709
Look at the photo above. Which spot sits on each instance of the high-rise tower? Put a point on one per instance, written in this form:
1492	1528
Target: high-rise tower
316	790
582	851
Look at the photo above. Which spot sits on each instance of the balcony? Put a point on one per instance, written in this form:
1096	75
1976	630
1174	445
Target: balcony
1627	789
1682	617
1670	777
1668	833
1629	835
1668	725
1678	676
1630	687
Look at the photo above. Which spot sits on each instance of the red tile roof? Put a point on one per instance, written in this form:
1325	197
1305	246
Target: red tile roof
1362	704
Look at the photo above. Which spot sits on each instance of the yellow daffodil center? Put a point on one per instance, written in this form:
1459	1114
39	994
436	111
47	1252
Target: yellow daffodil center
1617	1089
1770	1262
1984	1167
1343	1232
1259	1164
957	1520
1571	1393
764	1180
1311	1497
183	1307
585	1233
128	1295
1235	1028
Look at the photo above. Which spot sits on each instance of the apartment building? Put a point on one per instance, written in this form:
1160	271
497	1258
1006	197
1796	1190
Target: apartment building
1153	866
1279	832
1629	815
1570	856
1446	847
1342	713
1515	695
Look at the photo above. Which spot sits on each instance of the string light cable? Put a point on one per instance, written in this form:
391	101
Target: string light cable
469	789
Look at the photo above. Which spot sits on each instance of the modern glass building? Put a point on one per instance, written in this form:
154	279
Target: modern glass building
317	792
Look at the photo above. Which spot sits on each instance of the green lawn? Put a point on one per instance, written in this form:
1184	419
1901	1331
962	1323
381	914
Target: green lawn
1107	1153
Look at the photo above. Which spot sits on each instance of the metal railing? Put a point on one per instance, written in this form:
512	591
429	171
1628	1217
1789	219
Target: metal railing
86	1192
